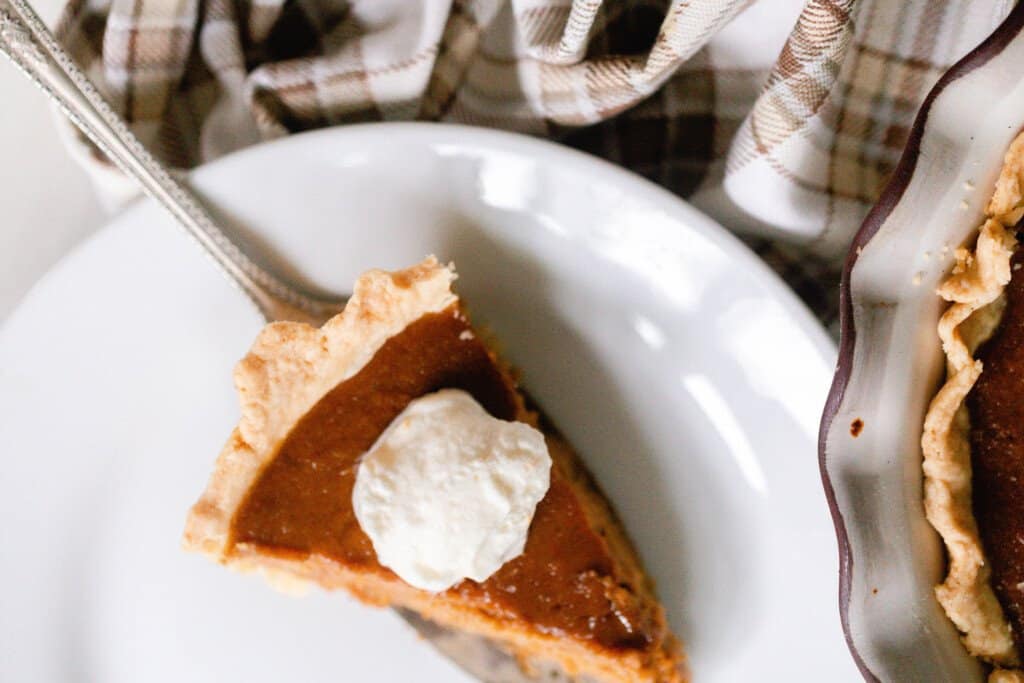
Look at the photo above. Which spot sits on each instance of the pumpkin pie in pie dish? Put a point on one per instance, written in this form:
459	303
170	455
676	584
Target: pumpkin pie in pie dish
390	453
973	440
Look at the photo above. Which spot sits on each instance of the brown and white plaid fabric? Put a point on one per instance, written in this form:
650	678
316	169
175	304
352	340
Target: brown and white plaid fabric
781	118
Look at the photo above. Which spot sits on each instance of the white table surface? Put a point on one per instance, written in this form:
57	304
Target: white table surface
48	203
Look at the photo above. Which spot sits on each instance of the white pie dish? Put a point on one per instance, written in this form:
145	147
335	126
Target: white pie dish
891	364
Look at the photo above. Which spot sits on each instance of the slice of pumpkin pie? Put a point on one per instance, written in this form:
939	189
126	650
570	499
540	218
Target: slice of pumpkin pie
390	453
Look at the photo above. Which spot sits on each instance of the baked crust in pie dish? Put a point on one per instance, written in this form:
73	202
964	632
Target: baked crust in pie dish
313	400
977	292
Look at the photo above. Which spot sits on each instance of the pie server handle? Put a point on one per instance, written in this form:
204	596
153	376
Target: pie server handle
35	51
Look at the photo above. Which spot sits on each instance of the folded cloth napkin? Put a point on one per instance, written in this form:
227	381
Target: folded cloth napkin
781	118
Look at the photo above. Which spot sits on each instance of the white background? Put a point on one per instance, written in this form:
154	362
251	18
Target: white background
46	202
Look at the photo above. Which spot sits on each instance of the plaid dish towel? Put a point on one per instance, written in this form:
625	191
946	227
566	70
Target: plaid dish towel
781	118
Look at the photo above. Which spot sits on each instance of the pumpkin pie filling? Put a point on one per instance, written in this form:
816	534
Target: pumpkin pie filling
996	408
564	583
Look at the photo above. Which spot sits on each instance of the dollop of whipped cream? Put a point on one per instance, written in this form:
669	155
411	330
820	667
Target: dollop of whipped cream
448	492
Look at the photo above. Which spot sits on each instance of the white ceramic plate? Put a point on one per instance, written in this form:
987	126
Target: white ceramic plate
687	374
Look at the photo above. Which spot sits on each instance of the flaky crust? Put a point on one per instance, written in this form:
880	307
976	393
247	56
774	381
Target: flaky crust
290	367
975	291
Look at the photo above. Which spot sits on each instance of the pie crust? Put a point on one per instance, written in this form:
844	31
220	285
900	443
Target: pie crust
975	291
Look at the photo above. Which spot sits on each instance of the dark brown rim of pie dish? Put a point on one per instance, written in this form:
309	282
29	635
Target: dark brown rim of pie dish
890	196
